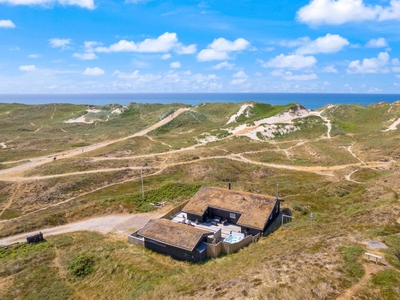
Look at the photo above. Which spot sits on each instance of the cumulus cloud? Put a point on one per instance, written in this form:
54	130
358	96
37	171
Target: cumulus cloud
338	12
330	69
239	78
302	77
370	65
27	68
294	61
223	65
6	23
89	4
132	75
166	56
331	43
164	43
138	78
175	65
181	49
96	71
59	43
377	43
85	56
220	49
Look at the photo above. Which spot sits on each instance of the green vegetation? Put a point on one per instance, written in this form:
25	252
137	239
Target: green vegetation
389	283
318	261
82	265
353	269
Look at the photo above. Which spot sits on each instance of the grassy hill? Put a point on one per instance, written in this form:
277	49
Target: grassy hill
348	181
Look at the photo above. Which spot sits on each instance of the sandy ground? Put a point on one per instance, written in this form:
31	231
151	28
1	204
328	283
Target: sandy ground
393	126
268	127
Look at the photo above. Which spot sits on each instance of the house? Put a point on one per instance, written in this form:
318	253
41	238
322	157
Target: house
252	212
212	222
180	241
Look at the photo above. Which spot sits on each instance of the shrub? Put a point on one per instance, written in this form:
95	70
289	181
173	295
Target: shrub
82	265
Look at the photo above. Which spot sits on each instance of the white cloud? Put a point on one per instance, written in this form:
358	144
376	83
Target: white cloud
223	65
85	56
34	55
166	56
342	11
295	62
132	75
240	78
331	43
302	77
370	65
181	49
220	48
175	65
396	64
89	4
289	75
93	71
377	43
6	23
59	43
27	68
330	69
164	43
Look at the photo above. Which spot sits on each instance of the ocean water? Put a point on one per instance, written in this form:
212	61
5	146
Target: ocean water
310	101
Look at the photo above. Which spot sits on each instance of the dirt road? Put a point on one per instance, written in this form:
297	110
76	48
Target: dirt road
121	224
16	173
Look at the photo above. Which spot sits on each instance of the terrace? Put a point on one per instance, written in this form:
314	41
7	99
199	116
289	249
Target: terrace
213	226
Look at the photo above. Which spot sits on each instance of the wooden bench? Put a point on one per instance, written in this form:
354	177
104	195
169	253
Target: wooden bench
374	256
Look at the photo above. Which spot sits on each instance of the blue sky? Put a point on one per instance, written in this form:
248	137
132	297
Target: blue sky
102	46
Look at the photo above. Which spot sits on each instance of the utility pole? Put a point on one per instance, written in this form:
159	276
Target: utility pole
141	176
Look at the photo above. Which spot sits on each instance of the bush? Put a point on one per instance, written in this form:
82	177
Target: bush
82	265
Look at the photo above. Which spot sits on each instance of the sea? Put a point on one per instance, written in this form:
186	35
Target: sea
310	101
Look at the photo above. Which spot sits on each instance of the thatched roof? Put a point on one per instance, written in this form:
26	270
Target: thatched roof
254	209
173	234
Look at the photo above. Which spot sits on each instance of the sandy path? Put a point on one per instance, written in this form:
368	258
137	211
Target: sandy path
14	174
11	199
121	224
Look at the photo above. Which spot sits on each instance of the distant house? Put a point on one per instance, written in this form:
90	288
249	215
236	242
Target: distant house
213	221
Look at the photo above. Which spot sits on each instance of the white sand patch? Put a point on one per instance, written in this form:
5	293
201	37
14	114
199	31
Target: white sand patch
239	113
286	117
3	145
237	129
79	120
269	131
393	126
93	110
119	110
207	138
